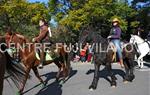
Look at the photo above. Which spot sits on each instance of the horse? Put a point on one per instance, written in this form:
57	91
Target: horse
142	47
107	58
29	59
15	71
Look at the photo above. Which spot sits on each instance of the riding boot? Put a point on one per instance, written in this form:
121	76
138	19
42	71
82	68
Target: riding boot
42	62
121	63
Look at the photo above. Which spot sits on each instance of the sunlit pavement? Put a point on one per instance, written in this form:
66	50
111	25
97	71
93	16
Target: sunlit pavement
81	78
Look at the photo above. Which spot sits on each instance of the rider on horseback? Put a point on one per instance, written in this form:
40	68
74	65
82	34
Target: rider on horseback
43	37
114	37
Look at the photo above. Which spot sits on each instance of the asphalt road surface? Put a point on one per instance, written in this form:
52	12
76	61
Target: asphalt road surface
81	78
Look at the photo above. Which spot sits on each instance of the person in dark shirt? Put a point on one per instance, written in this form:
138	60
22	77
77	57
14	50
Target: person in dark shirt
43	37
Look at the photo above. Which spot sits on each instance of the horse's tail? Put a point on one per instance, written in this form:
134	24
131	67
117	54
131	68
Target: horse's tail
15	71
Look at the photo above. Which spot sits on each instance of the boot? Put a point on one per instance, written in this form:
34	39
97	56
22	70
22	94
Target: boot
121	63
42	62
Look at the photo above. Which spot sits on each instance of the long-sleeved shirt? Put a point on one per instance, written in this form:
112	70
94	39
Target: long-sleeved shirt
115	33
44	34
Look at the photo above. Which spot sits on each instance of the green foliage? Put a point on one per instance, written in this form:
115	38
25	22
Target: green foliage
21	15
72	16
98	12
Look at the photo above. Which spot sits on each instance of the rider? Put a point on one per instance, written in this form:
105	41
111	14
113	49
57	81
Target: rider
114	36
43	37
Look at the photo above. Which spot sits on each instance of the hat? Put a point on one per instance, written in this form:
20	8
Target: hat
116	20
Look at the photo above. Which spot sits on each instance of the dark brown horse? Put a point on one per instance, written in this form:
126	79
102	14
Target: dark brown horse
28	57
15	71
105	56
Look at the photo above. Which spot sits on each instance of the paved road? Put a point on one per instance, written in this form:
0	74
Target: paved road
78	84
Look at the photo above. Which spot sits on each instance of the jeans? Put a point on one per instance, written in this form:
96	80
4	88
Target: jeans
83	59
117	44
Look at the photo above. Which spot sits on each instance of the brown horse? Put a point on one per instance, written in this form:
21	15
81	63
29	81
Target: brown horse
28	57
15	71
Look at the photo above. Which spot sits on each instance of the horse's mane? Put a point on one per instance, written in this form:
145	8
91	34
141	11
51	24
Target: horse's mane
99	38
138	37
2	39
26	40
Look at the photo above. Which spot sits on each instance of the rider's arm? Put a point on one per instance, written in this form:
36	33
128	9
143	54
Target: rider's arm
117	33
43	33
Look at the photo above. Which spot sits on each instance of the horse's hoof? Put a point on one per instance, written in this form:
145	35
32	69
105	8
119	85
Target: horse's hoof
113	86
125	81
91	89
132	78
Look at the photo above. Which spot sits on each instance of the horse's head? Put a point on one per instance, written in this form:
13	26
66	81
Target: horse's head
136	39
87	35
16	43
83	36
17	39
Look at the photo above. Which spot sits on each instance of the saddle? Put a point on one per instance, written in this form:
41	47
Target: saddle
49	56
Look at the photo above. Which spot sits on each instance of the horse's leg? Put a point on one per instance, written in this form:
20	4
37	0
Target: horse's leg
58	74
131	75
65	67
35	70
25	80
64	73
2	72
113	78
129	67
69	56
59	65
127	70
93	86
140	61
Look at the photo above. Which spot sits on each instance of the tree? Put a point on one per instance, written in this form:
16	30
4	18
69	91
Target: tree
143	8
21	15
99	14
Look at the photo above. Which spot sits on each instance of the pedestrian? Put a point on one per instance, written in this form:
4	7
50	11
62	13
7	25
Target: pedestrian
90	53
83	54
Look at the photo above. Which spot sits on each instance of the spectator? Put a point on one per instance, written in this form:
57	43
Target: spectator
83	54
90	53
76	56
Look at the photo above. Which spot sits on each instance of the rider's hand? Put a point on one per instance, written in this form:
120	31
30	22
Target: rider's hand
33	40
108	37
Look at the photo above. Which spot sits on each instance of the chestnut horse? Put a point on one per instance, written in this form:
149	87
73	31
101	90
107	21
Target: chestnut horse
15	71
28	57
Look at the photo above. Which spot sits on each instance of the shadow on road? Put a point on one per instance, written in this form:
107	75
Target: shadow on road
104	73
146	64
51	89
52	75
55	87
